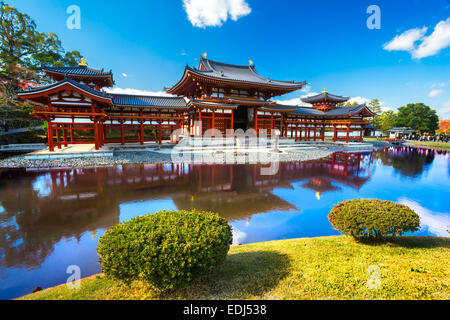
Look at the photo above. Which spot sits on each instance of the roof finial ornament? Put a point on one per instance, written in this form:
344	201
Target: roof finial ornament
250	62
325	90
83	63
205	55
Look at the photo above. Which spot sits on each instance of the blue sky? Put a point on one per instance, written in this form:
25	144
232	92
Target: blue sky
326	43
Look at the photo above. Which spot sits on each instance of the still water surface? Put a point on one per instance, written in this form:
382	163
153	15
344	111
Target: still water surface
51	219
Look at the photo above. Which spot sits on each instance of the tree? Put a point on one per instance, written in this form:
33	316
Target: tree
348	104
387	120
24	49
418	116
375	107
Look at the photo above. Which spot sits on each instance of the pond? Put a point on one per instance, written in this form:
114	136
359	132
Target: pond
51	219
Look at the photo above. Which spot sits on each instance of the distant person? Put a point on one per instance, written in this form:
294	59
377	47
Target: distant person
5	126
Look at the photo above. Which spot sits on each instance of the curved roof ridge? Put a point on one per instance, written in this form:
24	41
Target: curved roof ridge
72	82
66	70
223	63
325	96
144	96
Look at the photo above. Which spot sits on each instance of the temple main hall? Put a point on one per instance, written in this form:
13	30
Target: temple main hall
77	108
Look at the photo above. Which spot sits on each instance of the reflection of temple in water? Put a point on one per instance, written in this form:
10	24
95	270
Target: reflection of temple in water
41	208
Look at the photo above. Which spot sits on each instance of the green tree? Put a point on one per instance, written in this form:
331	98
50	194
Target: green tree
387	120
419	117
24	49
375	107
348	104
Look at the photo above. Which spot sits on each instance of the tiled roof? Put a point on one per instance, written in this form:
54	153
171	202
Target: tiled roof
279	107
149	101
66	80
232	72
78	70
345	110
212	104
340	111
308	111
325	96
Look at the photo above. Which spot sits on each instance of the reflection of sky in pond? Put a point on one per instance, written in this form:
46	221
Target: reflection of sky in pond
52	219
43	185
134	209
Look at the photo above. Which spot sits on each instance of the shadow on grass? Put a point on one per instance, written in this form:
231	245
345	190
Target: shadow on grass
243	275
409	242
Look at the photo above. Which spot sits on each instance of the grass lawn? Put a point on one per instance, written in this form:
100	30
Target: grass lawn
316	268
432	145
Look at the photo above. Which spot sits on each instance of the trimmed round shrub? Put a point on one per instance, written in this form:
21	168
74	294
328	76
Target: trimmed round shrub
373	218
168	249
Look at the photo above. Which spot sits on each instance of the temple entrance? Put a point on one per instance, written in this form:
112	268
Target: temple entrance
240	115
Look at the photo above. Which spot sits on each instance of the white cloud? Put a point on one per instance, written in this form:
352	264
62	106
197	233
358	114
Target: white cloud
124	75
138	92
207	13
359	100
238	237
297	101
435	42
435	93
437	223
405	41
429	45
306	88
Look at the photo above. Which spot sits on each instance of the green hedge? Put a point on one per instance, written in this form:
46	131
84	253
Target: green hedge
373	218
168	249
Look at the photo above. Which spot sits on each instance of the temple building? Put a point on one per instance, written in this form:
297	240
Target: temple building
213	96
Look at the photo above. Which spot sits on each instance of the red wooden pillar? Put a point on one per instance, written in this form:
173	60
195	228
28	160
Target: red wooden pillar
334	133
281	126
213	119
315	133
99	132
189	123
141	133
309	133
64	135
256	121
361	136
271	123
96	138
323	133
58	137
103	133
122	133
159	133
348	133
51	146
200	122
232	119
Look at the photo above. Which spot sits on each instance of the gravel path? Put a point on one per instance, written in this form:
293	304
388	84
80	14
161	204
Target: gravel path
242	156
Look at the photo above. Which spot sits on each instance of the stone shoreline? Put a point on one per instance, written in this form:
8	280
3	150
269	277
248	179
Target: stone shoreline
151	157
